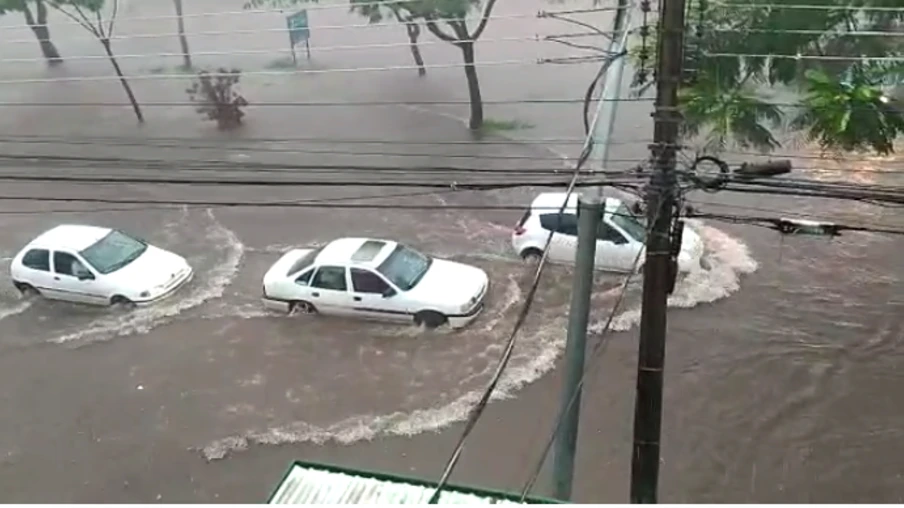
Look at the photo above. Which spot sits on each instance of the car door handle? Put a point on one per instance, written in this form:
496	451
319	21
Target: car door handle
315	294
56	278
357	298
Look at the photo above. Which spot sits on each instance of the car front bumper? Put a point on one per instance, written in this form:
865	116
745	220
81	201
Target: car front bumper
168	292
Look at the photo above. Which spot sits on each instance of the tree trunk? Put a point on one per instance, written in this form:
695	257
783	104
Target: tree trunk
122	79
42	33
414	32
467	51
183	41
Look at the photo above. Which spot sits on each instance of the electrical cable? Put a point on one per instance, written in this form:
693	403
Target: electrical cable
310	7
596	353
257	31
322	104
478	409
163	77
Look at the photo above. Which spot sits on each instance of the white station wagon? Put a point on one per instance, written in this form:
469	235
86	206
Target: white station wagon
621	236
100	266
376	279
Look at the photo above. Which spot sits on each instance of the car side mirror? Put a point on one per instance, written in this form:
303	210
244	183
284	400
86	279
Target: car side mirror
388	293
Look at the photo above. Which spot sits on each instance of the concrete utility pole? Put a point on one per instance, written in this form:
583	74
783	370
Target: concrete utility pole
589	215
612	87
659	265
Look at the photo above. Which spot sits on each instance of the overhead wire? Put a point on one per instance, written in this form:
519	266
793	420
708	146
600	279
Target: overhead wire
478	409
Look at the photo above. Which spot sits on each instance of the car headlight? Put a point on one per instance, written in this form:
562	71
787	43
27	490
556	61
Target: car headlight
144	294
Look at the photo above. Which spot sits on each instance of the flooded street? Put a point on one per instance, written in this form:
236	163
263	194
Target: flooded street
783	355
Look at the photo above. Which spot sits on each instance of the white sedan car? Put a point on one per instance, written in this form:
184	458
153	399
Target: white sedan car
376	279
620	238
100	266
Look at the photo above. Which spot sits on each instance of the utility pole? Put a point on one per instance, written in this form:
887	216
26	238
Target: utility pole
589	215
659	264
612	86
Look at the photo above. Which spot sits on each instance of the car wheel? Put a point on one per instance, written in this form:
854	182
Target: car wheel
430	319
302	307
26	289
122	302
532	255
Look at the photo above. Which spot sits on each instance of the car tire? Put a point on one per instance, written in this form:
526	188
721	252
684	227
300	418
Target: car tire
532	255
430	319
26	289
302	307
122	302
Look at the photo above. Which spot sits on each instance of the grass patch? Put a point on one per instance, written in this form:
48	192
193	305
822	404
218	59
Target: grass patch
493	125
281	63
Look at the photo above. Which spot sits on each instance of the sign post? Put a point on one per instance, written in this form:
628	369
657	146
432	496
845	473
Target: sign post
299	31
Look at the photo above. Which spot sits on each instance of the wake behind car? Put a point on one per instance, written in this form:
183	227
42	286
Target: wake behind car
621	236
100	266
376	279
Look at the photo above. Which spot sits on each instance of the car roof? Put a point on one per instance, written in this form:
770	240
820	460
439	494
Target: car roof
365	252
69	237
550	202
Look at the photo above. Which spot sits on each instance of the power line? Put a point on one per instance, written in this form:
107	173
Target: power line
480	406
163	77
847	33
326	103
430	42
806	57
833	7
257	31
309	7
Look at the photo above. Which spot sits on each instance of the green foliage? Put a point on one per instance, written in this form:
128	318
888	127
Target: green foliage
736	50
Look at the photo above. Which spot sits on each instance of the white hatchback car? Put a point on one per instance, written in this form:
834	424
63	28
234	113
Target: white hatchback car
95	265
620	238
376	279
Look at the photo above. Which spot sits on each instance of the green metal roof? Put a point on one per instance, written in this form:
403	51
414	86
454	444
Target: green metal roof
310	483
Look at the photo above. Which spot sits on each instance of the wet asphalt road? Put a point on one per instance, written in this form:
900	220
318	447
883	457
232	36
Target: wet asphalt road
784	391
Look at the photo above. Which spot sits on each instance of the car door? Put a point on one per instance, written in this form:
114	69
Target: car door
75	281
329	291
614	252
374	298
564	243
35	270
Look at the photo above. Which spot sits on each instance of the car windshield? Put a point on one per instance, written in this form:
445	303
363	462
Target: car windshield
113	252
629	223
405	267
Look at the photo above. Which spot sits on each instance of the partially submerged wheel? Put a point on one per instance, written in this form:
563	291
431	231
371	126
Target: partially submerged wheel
430	319
302	307
122	302
532	255
26	289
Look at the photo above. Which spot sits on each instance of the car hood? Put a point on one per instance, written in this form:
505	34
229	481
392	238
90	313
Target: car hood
154	267
449	283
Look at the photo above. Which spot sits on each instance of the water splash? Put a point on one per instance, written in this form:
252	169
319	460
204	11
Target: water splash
144	319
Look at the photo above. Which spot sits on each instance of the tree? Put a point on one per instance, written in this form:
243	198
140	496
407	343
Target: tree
82	12
435	14
37	21
735	50
217	97
183	41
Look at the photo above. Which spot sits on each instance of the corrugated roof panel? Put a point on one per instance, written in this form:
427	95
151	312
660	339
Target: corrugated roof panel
315	484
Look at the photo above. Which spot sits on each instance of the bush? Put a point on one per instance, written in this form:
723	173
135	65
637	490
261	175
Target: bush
217	97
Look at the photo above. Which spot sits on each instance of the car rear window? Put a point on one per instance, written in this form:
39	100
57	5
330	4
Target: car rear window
564	223
305	261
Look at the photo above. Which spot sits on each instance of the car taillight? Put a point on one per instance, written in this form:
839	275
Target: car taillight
519	230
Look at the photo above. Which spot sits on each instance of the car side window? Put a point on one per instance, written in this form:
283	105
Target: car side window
67	264
330	277
37	259
607	233
365	281
563	223
305	278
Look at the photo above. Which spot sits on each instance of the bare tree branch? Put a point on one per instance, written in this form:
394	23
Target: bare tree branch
100	24
83	21
484	20
437	31
113	18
